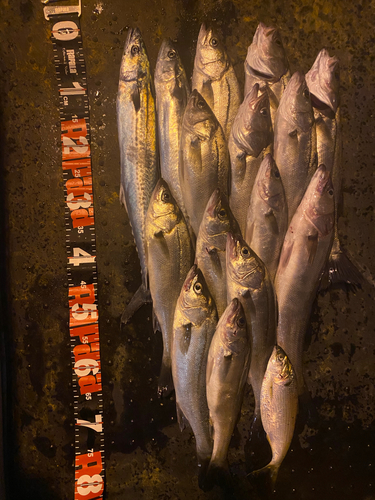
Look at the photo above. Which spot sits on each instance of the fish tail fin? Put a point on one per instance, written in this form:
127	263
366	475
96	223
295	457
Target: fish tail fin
341	269
220	475
204	481
165	383
271	470
141	296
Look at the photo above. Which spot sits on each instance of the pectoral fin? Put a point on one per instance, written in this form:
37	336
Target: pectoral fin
178	92
181	419
286	252
312	245
272	222
136	98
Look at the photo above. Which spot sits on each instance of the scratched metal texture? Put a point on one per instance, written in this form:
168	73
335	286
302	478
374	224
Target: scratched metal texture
332	455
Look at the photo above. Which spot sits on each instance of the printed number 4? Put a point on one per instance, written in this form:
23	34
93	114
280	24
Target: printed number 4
81	257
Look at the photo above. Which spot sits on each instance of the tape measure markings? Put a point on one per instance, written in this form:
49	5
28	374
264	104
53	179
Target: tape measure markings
81	253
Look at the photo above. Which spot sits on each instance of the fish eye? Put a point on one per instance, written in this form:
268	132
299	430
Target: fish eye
245	252
278	42
277	174
330	192
200	104
135	50
306	94
241	322
263	112
214	42
198	288
222	213
165	196
172	54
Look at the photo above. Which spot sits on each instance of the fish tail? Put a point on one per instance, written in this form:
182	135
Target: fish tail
165	384
271	470
341	269
141	296
219	475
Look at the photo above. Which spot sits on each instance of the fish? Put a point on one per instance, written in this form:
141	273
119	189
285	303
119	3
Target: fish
251	133
303	256
267	64
170	255
249	281
204	158
215	78
136	124
211	245
295	141
227	369
323	81
172	92
194	325
279	408
267	215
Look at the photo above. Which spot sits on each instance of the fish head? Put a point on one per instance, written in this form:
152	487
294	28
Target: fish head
218	220
243	265
211	57
163	208
134	62
199	118
323	80
282	369
269	185
233	327
168	64
252	127
196	300
295	104
266	55
319	201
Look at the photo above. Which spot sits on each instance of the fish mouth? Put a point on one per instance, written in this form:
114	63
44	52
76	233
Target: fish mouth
260	74
325	181
213	201
232	310
190	276
231	247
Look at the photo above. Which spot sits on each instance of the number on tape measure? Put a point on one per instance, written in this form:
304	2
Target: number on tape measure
81	257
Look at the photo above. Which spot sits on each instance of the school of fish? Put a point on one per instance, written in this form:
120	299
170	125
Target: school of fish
233	198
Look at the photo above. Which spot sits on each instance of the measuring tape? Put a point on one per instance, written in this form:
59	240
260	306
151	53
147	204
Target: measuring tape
81	249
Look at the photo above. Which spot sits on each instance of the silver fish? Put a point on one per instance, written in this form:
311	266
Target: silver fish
169	258
204	158
249	281
215	79
251	133
304	254
227	369
267	216
137	139
172	92
295	141
194	324
279	408
323	80
267	64
211	245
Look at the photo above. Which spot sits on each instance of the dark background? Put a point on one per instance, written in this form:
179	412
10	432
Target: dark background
332	455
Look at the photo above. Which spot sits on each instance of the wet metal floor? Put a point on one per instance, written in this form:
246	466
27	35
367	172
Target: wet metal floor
332	455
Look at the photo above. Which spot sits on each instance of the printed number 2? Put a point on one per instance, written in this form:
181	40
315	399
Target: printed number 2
81	257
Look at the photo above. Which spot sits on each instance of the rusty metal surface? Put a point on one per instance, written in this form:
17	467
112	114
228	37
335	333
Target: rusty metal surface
333	455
